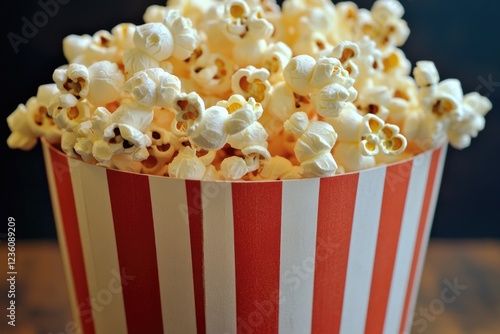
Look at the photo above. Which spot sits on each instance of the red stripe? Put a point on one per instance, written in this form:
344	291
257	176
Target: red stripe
135	243
420	233
257	234
337	199
391	216
62	179
195	213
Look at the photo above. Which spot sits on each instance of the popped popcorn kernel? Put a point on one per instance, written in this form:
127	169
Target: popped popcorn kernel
252	82
30	121
315	141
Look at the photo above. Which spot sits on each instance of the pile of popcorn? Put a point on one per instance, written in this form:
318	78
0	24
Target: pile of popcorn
248	90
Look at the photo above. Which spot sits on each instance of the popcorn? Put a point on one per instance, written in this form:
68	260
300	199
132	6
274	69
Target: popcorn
315	141
100	83
369	134
326	82
252	82
155	40
247	90
30	121
121	132
186	165
474	108
154	87
68	112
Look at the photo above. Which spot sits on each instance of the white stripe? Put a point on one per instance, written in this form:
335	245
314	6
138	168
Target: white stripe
93	207
300	201
406	243
427	231
218	257
173	253
61	237
362	250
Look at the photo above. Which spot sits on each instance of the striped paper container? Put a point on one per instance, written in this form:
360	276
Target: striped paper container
148	254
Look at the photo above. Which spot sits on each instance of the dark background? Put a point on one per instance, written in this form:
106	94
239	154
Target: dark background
461	37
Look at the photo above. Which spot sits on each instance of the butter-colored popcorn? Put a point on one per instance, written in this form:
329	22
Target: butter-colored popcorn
84	141
212	72
192	9
241	22
374	99
154	14
345	52
243	112
187	165
404	98
396	63
246	52
211	131
29	122
161	151
369	132
394	30
252	82
68	112
350	159
274	59
252	142
446	102
106	83
68	141
426	74
282	103
475	107
123	34
173	37
189	108
276	168
369	61
154	39
315	141
335	87
154	87
100	83
233	168
73	79
347	18
135	60
297	73
87	50
74	47
310	42
326	82
319	15
121	132
186	38
377	135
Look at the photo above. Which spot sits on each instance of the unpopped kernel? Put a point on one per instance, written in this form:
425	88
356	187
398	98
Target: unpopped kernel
248	90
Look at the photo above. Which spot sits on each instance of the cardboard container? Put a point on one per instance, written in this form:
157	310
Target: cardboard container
147	254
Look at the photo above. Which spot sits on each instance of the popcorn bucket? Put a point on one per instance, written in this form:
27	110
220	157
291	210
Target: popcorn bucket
148	254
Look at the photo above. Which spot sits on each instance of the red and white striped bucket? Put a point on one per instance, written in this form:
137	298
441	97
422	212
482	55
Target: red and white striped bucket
148	254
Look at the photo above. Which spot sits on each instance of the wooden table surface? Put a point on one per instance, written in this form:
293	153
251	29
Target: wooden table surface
473	265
